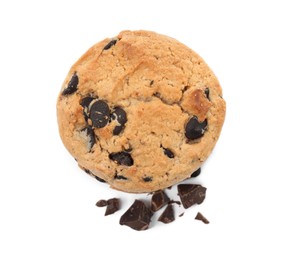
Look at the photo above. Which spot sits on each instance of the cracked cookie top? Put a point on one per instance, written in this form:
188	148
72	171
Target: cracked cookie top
140	111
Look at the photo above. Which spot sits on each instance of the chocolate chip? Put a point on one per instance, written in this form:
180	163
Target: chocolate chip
195	129
159	199
110	44
199	216
99	179
99	114
85	102
112	206
96	177
147	179
101	203
196	173
117	130
119	177
87	171
168	153
168	215
72	85
191	194
121	158
137	217
120	115
91	136
207	93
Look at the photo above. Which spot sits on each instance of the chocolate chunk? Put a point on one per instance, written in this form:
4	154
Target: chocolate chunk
91	136
196	173
112	206
99	179
191	194
159	199
168	215
99	114
137	217
199	216
147	179
195	129
101	203
120	177
121	158
168	153
207	93
72	85
110	44
181	215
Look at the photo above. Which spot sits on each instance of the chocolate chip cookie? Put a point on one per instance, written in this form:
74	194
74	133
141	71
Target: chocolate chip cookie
140	111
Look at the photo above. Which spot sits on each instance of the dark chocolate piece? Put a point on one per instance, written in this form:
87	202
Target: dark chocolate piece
159	199
207	93
72	85
195	129
168	215
168	153
101	203
191	194
110	44
181	215
91	135
147	179
137	217
196	173
199	216
112	206
122	158
99	179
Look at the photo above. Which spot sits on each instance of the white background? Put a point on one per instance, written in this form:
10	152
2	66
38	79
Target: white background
47	205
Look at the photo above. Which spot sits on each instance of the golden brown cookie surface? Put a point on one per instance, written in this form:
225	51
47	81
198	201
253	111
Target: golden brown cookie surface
140	111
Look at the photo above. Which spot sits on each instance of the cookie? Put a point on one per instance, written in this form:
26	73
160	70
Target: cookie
140	111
